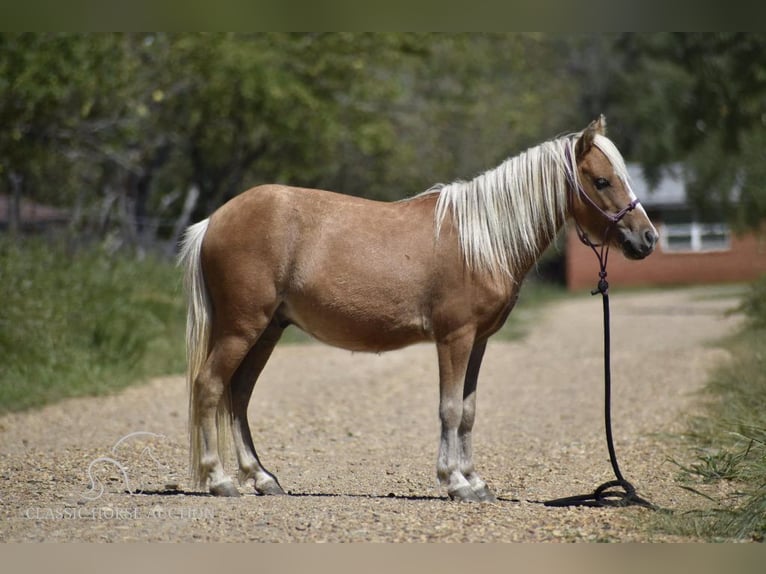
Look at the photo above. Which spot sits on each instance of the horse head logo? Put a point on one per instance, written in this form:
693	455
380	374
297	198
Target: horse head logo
96	487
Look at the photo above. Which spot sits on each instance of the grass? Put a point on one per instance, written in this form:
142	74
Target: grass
83	323
728	443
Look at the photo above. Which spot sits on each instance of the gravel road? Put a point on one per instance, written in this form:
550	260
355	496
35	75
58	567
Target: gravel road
353	438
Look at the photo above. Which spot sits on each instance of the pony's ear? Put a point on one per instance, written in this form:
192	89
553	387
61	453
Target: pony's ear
586	139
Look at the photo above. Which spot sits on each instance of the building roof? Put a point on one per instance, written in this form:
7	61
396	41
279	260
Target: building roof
670	190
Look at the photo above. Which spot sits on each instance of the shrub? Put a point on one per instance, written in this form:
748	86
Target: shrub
85	322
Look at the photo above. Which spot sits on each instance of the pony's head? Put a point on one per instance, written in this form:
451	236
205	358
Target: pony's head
602	198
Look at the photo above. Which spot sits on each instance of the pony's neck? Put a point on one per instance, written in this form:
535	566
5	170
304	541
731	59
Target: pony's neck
506	217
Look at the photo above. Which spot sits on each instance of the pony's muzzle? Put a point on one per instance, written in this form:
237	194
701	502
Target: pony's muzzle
637	244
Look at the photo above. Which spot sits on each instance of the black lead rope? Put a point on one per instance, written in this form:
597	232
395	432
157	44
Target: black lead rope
607	494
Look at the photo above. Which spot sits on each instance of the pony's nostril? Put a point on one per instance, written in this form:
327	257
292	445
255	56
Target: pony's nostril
650	237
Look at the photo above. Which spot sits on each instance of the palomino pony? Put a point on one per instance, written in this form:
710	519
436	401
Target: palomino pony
443	266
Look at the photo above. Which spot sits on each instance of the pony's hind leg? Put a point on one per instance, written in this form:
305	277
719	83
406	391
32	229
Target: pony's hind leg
211	406
242	384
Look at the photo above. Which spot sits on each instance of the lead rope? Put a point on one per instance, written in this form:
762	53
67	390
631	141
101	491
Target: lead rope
605	495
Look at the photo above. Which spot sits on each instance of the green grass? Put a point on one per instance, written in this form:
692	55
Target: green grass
83	323
728	443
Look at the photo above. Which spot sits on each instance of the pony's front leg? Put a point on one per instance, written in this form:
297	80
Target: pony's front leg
454	354
465	429
242	385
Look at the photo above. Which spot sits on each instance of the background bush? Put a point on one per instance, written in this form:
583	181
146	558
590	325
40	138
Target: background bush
83	322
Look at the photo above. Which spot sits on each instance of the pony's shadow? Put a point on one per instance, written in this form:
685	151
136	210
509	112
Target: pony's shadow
162	492
389	496
169	492
166	492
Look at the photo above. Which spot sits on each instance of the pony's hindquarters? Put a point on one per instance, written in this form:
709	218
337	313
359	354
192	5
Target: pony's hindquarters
198	317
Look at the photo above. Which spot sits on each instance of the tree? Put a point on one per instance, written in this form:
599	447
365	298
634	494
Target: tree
49	97
141	132
471	100
698	98
128	124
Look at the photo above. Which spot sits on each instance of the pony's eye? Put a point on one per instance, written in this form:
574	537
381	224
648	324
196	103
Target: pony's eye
601	183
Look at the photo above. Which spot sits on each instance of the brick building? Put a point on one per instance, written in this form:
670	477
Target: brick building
690	250
33	217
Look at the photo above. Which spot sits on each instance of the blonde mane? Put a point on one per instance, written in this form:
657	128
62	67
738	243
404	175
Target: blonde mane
506	216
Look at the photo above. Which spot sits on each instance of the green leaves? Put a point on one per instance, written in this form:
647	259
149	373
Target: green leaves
385	115
697	98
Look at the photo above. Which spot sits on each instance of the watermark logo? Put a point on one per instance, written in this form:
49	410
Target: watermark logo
133	465
144	461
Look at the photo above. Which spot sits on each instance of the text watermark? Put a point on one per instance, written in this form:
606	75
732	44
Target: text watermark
117	513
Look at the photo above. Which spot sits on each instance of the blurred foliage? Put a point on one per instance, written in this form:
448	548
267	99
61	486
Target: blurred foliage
698	99
754	306
121	127
108	122
81	323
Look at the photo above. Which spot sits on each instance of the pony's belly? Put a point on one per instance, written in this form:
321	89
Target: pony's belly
357	330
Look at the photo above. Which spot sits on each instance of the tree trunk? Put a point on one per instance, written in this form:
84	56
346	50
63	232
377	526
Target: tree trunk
16	182
192	196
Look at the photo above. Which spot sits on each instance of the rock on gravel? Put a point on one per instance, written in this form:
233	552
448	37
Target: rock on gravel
353	439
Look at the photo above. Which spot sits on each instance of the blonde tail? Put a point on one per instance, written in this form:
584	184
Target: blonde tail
197	335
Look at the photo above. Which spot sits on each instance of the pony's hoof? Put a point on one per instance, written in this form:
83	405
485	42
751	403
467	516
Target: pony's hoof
485	494
464	494
270	487
225	488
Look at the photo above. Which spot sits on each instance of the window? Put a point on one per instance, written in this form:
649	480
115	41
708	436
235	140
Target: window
695	237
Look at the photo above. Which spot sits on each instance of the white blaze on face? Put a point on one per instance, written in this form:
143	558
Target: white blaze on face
632	195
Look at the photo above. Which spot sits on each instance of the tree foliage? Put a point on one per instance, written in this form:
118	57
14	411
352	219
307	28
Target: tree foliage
129	129
139	133
698	99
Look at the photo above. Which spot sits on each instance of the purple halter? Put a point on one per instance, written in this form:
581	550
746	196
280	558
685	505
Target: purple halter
600	249
613	218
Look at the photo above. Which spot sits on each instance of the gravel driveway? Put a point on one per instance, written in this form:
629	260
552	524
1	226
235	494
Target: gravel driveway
353	438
